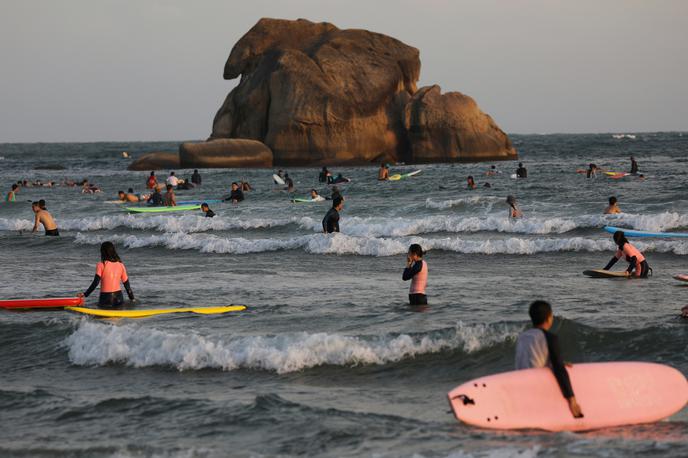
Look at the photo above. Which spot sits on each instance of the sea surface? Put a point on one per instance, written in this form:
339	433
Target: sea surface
328	360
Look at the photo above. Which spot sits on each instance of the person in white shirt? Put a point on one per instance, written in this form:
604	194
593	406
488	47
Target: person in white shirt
173	180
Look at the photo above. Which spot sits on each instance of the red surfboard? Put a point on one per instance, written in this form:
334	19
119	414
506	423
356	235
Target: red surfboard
51	302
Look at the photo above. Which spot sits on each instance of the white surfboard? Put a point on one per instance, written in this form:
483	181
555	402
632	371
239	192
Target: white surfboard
277	179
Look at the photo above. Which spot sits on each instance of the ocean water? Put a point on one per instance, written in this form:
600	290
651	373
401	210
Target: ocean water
328	360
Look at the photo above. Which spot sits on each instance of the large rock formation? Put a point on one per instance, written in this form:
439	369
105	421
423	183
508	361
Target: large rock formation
315	94
225	153
156	161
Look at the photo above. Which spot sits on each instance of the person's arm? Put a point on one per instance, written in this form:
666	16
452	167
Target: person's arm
335	223
35	224
94	284
410	272
130	293
561	374
611	263
324	222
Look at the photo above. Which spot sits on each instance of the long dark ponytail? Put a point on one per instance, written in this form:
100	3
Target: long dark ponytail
108	252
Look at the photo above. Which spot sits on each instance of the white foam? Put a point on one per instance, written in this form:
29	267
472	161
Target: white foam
466	201
94	343
342	244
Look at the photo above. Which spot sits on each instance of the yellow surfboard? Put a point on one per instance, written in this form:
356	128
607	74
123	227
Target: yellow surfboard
142	313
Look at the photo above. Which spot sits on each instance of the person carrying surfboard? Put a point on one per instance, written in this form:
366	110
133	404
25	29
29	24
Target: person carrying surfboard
613	208
111	271
330	222
417	271
537	347
637	264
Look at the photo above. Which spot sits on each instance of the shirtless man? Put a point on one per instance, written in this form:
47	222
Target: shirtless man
613	207
383	172
44	218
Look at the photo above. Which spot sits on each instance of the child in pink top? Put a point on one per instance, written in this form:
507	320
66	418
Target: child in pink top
110	272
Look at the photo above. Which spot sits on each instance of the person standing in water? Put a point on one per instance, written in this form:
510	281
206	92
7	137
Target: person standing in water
111	271
383	172
592	171
152	182
636	260
196	178
514	212
634	166
12	195
289	182
324	175
613	208
470	183
417	271
172	179
521	171
537	347
170	200
330	222
45	218
206	209
236	195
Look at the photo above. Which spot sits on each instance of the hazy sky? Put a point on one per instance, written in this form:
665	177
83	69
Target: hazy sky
86	70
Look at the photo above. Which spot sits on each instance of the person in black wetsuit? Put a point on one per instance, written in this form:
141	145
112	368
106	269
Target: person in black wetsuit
206	209
196	178
521	171
537	347
237	195
330	222
289	182
155	199
335	193
324	173
634	166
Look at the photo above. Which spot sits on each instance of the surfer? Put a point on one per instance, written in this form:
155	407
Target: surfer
12	195
152	182
111	271
537	347
634	166
45	218
289	182
383	172
514	212
417	271
155	199
330	222
206	209
325	176
170	200
87	188
613	208
172	179
470	183
196	178
592	171
521	171
130	196
636	260
492	171
315	196
237	195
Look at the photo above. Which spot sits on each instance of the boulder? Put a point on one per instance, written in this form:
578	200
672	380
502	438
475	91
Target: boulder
450	127
156	161
316	94
225	153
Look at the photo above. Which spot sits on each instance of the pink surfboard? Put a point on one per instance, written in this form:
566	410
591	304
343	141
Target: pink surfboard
681	277
609	394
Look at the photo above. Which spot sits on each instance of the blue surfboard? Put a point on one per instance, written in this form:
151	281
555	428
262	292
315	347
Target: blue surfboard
633	233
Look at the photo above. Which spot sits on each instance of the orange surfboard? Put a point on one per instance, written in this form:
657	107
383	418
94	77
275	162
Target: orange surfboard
609	394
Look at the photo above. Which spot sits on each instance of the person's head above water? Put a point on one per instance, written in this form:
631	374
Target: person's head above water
620	239
541	314
314	193
171	174
120	193
493	167
108	252
205	207
511	200
520	164
235	186
41	203
152	174
195	170
15	186
612	200
35	207
470	179
415	252
130	190
337	203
